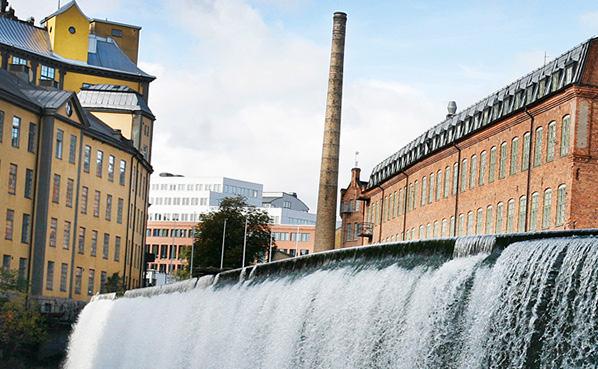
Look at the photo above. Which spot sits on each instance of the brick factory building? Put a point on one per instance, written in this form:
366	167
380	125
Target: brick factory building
523	159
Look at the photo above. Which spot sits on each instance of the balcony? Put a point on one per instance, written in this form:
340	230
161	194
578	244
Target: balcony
366	230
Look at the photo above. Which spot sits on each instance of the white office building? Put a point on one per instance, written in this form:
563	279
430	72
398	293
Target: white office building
178	198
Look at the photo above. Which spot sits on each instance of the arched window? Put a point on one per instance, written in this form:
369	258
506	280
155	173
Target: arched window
444	228
436	231
510	215
522	212
463	175
479	221
565	129
470	223
502	169
432	186
551	142
488	229
547	208
424	192
473	171
483	164
428	231
422	231
538	147
560	204
461	226
514	155
492	168
499	217
438	185
452	227
447	181
533	216
525	153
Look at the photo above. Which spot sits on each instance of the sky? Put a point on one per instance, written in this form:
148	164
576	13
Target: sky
241	84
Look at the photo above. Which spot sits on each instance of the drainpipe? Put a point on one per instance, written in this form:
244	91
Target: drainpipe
381	215
457	192
529	167
405	206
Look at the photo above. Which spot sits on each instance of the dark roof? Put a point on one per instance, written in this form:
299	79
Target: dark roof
552	77
113	97
105	55
51	99
115	23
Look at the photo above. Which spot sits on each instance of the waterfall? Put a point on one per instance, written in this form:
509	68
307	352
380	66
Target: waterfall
535	305
471	245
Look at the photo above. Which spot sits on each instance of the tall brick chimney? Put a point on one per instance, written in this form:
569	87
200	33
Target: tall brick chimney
327	193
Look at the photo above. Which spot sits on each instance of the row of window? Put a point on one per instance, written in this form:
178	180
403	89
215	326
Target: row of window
166	251
493	220
203	201
15	133
9	227
470	173
293	252
78	278
100	165
46	72
27	186
236	190
21	272
82	240
166	232
290	236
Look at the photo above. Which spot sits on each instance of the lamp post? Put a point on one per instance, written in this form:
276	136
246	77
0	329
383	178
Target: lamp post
244	243
270	252
222	253
297	241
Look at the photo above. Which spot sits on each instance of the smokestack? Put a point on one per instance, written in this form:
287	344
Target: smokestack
326	217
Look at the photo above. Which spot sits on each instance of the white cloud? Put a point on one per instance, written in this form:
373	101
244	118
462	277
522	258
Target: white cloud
589	19
40	9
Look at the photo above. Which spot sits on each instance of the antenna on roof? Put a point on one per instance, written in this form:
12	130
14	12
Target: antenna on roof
545	57
356	159
58	4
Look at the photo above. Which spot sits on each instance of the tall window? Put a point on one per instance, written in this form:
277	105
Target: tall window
422	233
50	276
123	170
1	125
515	155
66	239
94	243
455	178
463	175
78	277
81	240
117	248
84	197
436	231
492	168
479	221
56	189
500	208
525	151
32	138
59	142
502	169
483	163
533	216
53	231
96	204
438	185
447	181
111	168
470	223
86	158
9	226
99	163
444	230
26	229
522	213
473	171
538	147
488	229
106	246
565	130
28	183
461	226
424	191
547	208
108	207
12	179
551	142
560	204
452	227
119	211
72	149
432	183
47	73
91	282
15	133
510	215
70	185
63	275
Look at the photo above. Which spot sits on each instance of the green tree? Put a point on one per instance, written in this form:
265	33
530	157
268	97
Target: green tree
208	235
115	283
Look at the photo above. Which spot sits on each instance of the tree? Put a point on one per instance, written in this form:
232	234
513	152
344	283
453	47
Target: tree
116	284
208	235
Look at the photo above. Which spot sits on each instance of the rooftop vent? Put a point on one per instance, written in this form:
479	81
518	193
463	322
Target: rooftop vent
452	109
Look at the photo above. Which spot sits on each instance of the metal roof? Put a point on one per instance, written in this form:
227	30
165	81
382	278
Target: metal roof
549	79
63	9
113	97
52	99
104	55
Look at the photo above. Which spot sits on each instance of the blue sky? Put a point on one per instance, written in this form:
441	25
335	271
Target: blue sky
241	83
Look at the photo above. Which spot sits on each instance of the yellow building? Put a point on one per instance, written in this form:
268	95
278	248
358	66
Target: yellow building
75	152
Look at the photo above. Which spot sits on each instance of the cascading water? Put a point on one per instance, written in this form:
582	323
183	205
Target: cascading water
533	306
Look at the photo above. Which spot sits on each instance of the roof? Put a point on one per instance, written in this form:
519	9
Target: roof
51	99
115	23
113	97
553	77
104	54
63	9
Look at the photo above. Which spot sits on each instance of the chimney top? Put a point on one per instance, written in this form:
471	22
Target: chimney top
452	109
340	15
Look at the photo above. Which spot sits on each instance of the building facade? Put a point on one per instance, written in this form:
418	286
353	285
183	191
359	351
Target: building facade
523	159
74	164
